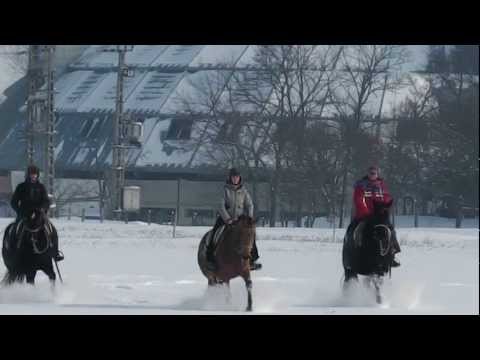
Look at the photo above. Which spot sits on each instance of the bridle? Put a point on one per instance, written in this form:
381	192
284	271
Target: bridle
384	252
33	237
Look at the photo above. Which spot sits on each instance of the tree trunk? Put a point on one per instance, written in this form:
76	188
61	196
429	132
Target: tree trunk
254	191
342	205
273	201
299	213
274	184
342	195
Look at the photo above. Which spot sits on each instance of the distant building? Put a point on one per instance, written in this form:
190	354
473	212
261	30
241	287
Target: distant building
168	175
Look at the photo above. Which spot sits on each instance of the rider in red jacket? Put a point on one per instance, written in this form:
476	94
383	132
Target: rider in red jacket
367	191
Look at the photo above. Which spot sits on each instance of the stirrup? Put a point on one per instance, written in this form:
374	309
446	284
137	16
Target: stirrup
255	266
59	257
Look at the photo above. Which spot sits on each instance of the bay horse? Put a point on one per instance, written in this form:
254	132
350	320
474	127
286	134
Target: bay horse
27	248
367	250
232	255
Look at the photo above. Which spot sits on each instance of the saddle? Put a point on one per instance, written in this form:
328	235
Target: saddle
216	235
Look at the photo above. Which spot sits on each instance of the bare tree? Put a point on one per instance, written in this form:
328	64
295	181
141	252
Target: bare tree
223	131
298	78
411	148
70	191
363	78
263	118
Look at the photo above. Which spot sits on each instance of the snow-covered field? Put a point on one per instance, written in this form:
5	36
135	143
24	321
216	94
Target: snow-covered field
116	268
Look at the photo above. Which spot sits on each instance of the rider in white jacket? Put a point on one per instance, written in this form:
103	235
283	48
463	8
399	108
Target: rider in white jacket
235	201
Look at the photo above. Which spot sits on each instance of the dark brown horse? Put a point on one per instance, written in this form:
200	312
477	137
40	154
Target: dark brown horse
232	255
27	248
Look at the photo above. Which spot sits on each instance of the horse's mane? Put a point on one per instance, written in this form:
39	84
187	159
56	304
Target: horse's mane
381	212
246	220
41	219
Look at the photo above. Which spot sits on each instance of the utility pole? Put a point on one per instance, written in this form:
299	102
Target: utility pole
34	78
41	109
119	145
50	123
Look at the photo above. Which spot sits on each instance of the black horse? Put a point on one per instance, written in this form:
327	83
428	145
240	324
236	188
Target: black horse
367	250
28	247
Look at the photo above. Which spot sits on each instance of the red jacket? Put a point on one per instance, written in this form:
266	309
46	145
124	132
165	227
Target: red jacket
365	193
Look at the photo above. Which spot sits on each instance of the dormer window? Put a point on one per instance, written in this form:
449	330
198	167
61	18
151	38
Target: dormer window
180	129
229	132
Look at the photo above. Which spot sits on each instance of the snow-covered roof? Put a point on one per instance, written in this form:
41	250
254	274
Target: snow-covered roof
163	74
163	77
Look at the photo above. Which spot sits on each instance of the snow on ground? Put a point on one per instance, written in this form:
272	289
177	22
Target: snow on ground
117	268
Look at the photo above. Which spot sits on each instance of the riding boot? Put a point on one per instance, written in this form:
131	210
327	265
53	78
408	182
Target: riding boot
57	255
254	265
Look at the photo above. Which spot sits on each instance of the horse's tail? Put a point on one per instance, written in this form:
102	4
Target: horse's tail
202	255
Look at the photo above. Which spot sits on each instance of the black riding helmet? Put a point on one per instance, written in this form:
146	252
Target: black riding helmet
233	172
33	169
373	168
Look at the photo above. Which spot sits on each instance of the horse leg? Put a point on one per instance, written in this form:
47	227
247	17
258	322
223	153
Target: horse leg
30	276
350	276
9	278
48	270
229	293
377	282
248	284
367	282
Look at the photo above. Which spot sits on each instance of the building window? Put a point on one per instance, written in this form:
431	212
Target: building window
180	129
229	132
200	217
199	212
87	126
91	128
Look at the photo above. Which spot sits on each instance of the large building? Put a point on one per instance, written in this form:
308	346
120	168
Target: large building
171	170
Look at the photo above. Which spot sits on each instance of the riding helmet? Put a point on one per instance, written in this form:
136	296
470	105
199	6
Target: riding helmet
32	169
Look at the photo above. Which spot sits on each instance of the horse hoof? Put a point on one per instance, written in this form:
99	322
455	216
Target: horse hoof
249	309
379	299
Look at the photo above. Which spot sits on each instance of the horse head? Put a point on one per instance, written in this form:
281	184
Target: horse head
246	221
381	230
381	212
34	219
243	231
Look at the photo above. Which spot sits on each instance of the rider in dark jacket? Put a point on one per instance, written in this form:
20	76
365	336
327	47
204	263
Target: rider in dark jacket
30	195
